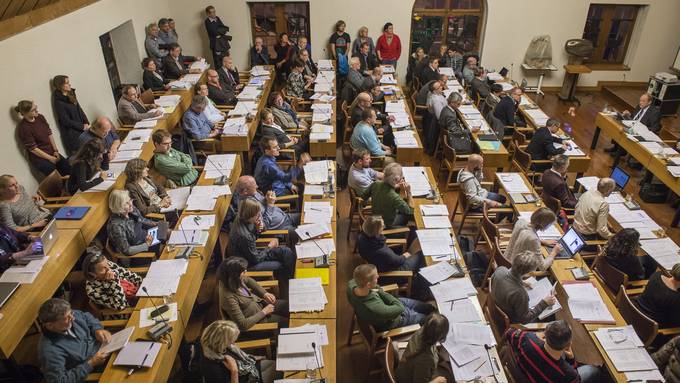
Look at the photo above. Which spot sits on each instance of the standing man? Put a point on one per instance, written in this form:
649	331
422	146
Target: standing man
153	45
212	23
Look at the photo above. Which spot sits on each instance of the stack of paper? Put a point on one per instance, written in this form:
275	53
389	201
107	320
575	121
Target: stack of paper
314	190
588	182
320	132
178	199
243	108
188	237
462	310
674	170
249	93
494	76
325	65
127	156
437	243
417	178
506	86
395	106
663	250
306	295
236	126
323	87
438	272
218	165
179	84
401	120
24	274
145	124
405	139
168	100
259	70
470	112
200	65
140	134
465	345
315	248
539	117
313	230
572	149
318	212
191	78
138	354
448	71
163	277
316	172
513	183
539	290
102	186
625	349
300	347
552	232
452	290
388	79
131	145
586	304
205	197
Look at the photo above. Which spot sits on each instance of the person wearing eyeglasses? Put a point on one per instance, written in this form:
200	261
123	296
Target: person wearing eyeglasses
107	284
269	174
131	109
147	195
176	166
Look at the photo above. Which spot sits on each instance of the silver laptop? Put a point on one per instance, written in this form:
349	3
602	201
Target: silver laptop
48	237
6	291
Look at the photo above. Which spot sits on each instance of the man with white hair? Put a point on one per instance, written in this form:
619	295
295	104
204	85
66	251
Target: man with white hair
385	198
354	75
469	69
592	211
273	217
259	54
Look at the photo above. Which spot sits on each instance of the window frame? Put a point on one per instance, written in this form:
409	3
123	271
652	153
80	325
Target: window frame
606	22
281	24
447	12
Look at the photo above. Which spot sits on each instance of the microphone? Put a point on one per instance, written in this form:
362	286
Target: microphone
222	179
157	331
189	248
158	311
321	261
488	355
318	365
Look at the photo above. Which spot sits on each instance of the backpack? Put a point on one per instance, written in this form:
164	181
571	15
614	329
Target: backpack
343	65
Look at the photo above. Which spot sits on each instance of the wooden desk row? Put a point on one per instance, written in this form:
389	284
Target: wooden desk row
412	155
327	148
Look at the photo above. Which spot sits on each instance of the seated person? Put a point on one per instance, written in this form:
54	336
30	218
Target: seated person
171	163
470	180
372	79
213	114
271	128
297	86
367	61
269	175
379	309
107	284
667	357
548	357
364	136
525	238
259	54
68	349
151	78
592	211
420	362
245	230
509	293
273	217
479	86
458	134
221	360
244	301
89	167
660	299
18	210
378	99
147	196
431	71
468	72
131	109
228	75
542	144
196	123
127	227
508	107
646	113
361	175
102	129
363	101
218	94
354	76
621	253
494	97
174	64
311	69
421	97
284	115
385	199
554	182
373	248
13	246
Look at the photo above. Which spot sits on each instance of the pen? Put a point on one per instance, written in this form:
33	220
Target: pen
480	366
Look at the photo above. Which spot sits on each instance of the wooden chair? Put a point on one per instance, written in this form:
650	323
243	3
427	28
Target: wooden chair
555	205
499	320
613	278
391	360
645	327
376	341
467	212
417	110
522	161
356	203
451	161
53	190
118	257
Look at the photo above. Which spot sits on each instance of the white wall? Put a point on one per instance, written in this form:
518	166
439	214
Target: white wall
67	45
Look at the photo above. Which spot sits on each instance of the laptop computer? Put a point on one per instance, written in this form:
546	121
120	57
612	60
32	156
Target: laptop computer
48	237
571	243
6	291
620	177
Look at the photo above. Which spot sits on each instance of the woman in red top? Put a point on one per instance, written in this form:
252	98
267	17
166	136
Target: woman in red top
388	46
36	135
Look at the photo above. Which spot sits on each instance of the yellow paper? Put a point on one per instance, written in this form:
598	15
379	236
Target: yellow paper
313	272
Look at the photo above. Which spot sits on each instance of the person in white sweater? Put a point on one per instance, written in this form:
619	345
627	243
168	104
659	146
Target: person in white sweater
525	238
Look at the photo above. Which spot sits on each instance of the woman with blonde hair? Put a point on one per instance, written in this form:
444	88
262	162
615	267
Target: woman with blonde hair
221	360
127	227
19	210
363	37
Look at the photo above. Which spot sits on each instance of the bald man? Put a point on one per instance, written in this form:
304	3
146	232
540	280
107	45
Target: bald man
102	128
216	92
470	181
273	217
592	211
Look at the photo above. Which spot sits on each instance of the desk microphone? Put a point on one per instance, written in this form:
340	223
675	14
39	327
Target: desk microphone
222	179
321	261
161	328
488	355
318	365
185	252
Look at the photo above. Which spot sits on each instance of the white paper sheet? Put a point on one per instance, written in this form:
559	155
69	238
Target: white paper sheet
437	272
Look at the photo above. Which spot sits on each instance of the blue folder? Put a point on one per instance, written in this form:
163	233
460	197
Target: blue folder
72	212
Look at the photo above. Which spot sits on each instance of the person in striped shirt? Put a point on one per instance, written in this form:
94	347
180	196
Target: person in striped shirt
547	357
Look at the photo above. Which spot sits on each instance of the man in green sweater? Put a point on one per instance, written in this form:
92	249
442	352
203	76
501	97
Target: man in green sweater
382	310
386	201
171	163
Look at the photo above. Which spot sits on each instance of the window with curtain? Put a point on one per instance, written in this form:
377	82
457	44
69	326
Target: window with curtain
610	27
269	19
454	22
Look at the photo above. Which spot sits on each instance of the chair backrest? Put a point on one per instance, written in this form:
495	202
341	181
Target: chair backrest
551	202
498	256
146	96
522	160
52	186
462	199
449	152
488	227
644	326
519	138
612	277
497	318
391	360
369	335
345	109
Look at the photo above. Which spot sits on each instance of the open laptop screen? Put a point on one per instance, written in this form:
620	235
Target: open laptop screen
573	241
620	177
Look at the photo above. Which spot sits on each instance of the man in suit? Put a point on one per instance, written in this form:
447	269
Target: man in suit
554	182
131	110
479	86
366	59
542	145
212	23
646	113
270	128
217	93
507	107
259	54
174	64
421	97
458	135
431	71
309	73
228	75
494	97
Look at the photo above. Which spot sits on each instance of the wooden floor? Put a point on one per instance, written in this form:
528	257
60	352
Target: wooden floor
626	95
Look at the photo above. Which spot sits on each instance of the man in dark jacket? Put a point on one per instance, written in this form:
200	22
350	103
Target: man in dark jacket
555	183
479	87
228	75
218	94
542	145
431	71
68	347
259	54
367	60
507	108
212	23
646	113
458	135
174	64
